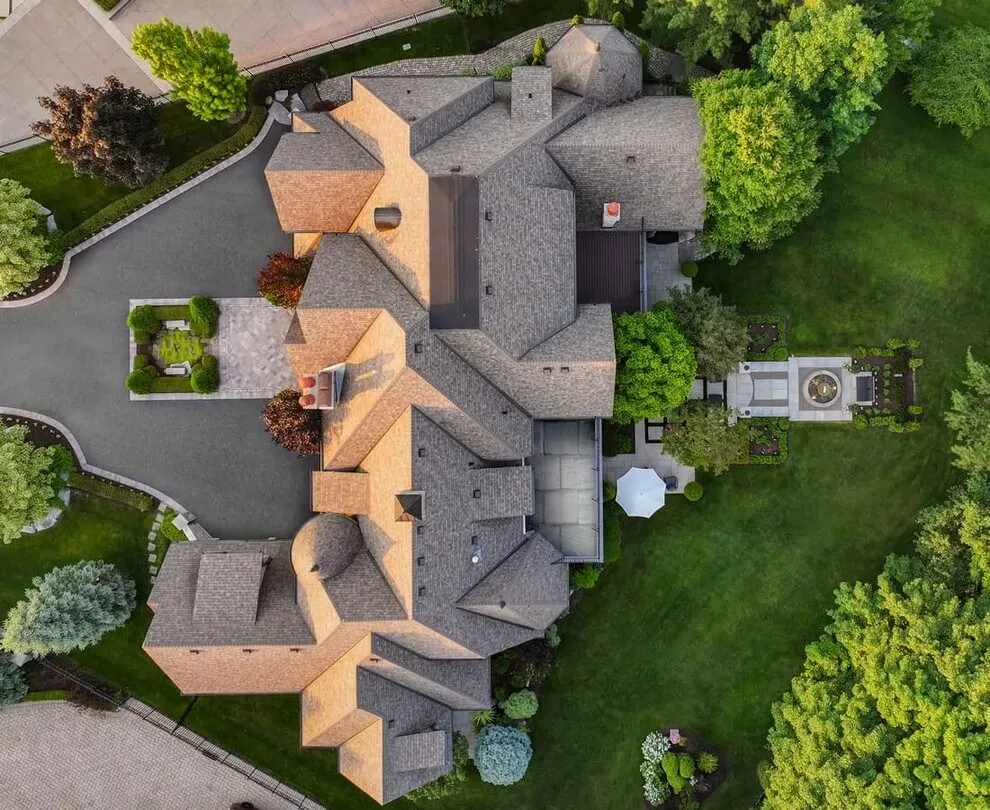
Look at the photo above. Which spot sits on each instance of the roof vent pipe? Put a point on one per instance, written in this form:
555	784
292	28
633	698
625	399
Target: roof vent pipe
387	218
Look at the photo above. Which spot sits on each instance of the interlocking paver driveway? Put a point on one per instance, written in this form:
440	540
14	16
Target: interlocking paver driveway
56	756
67	357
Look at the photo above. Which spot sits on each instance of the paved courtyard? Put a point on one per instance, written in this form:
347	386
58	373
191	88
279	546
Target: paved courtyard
65	357
56	756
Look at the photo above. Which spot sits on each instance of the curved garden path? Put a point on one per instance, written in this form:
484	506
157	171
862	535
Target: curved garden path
66	357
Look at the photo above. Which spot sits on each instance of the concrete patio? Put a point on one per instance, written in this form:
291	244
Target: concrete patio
648	454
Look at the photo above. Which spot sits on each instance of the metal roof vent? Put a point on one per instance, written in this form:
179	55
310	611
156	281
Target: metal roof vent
386	219
475	555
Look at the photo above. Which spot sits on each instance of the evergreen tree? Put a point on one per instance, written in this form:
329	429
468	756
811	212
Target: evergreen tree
969	417
713	329
69	608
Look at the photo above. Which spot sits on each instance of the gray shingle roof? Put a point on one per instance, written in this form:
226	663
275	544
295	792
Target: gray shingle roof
421	749
277	621
330	149
597	62
532	93
661	185
228	586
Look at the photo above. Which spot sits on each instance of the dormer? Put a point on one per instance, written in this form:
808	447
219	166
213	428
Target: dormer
321	391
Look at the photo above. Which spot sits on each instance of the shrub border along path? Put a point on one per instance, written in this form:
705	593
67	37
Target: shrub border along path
132	207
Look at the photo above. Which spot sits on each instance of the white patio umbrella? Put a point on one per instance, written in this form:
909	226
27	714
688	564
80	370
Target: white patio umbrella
640	492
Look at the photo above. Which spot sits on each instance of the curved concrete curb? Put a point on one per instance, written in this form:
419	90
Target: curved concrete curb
85	466
136	215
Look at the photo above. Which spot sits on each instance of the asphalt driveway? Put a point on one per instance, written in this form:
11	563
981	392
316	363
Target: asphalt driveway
67	357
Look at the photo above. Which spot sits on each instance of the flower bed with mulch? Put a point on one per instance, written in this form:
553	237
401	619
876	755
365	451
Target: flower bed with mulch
46	277
767	337
707	767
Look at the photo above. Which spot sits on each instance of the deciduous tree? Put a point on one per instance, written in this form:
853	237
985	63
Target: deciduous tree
969	417
904	23
952	79
69	608
198	65
760	158
655	366
23	250
27	481
714	330
282	279
108	132
604	9
700	436
711	26
290	425
834	65
889	709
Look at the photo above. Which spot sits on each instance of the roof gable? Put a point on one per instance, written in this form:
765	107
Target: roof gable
227	587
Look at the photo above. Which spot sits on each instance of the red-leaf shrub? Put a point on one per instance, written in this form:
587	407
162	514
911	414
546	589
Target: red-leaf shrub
290	425
282	279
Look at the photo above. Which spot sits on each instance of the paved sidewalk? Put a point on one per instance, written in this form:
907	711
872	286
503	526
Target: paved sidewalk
57	756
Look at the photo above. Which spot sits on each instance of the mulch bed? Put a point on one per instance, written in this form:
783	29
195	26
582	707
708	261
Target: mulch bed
766	447
711	782
39	434
762	337
45	279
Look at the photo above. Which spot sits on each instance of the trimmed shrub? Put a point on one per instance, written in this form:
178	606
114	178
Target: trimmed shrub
552	636
707	762
577	19
121	208
502	754
204	312
204	380
143	319
671	768
685	765
613	532
520	705
915	410
451	782
779	353
860	422
171	385
608	491
585	576
915	362
140	381
13	685
140	361
689	269
63	461
69	608
111	490
693	491
209	362
644	52
619	20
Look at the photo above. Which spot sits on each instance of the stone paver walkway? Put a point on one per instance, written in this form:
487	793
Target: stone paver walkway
57	756
649	455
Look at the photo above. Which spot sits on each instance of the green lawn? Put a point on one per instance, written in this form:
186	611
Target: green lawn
178	346
74	199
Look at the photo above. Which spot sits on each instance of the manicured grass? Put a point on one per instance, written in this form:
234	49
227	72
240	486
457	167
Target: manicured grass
74	199
48	694
95	529
177	346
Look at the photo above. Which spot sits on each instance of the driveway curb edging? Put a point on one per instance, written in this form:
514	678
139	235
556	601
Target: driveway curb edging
136	215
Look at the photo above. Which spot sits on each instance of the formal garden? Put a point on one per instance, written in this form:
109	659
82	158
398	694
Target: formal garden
703	619
173	348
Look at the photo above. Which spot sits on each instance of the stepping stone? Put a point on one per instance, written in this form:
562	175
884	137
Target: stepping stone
153	570
281	95
152	557
50	223
64	496
153	578
280	114
151	546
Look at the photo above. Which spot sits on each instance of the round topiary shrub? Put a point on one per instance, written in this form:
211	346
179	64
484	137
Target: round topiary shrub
860	422
780	353
693	491
209	361
585	576
685	766
520	705
140	381
143	319
577	19
204	313
619	20
204	380
140	361
502	754
608	491
689	269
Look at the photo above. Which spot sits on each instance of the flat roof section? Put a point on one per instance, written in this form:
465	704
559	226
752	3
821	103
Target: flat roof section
609	269
454	252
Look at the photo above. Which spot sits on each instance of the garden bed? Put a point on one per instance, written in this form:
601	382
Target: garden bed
111	491
680	769
767	337
618	440
769	440
893	370
38	433
47	276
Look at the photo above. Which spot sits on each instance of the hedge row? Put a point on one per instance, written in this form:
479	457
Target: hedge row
171	385
171	312
111	490
121	208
